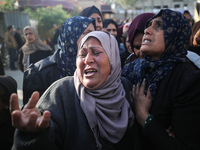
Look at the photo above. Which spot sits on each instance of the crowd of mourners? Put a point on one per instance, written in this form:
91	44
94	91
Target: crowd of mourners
105	85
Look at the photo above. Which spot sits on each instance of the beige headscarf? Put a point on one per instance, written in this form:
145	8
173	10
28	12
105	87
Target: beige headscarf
106	108
28	48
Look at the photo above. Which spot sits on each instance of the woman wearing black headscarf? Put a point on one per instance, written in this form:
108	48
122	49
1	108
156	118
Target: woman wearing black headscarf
111	27
93	12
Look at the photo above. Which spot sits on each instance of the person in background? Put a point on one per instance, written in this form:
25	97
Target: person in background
11	46
39	76
120	22
93	12
125	27
2	72
188	15
121	31
34	49
127	47
54	40
194	47
44	41
2	48
48	40
8	85
89	110
18	38
195	38
135	34
166	86
110	26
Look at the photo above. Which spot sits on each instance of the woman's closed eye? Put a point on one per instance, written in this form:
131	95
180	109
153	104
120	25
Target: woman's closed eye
96	52
83	53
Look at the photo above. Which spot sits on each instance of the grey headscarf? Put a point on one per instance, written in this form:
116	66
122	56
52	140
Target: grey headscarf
36	45
28	48
106	108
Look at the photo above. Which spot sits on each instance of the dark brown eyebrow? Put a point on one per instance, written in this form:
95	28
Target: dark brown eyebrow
158	21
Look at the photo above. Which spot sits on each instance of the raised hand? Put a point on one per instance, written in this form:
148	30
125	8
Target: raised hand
30	118
141	102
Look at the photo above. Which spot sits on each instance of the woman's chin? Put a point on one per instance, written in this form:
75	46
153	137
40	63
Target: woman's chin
90	85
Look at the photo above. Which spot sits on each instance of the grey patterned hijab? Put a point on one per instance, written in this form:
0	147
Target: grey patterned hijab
106	108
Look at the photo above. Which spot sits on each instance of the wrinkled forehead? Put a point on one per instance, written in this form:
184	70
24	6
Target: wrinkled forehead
103	37
89	42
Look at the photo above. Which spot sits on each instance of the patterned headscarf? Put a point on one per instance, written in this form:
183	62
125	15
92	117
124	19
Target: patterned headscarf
106	108
67	41
177	31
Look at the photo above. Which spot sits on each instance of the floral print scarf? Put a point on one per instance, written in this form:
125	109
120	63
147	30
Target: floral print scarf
177	31
67	41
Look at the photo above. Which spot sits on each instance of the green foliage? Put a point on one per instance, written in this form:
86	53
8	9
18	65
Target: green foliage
75	12
46	17
7	5
31	13
126	4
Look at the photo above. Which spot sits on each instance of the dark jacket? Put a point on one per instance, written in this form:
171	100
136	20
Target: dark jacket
2	72
6	131
69	128
39	76
176	105
18	39
35	57
55	37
